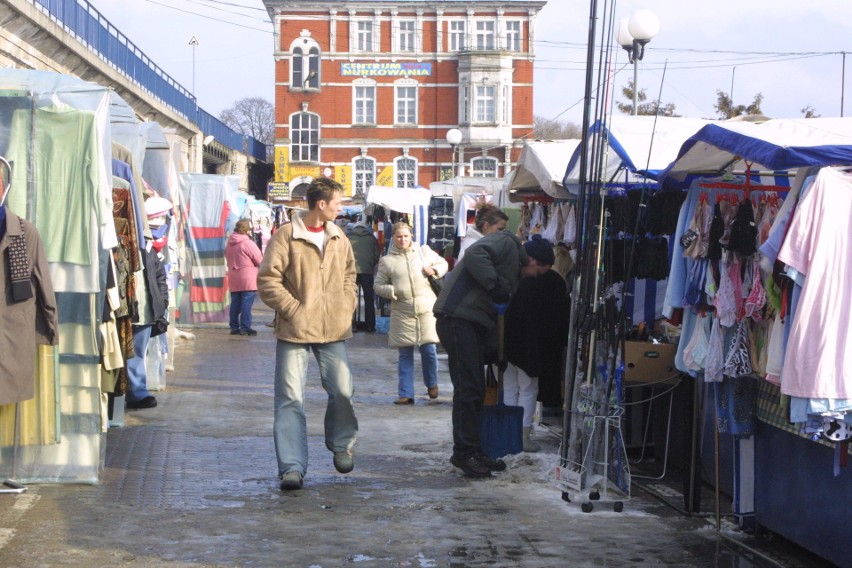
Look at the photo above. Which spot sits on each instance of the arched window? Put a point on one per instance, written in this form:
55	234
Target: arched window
364	169
483	167
304	137
304	63
405	172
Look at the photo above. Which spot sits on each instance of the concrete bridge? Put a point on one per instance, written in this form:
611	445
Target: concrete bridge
73	38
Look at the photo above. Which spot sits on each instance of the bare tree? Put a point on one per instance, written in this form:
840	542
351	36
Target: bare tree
553	129
252	116
810	112
653	108
726	109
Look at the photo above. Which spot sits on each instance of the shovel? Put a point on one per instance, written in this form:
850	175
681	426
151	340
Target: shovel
501	426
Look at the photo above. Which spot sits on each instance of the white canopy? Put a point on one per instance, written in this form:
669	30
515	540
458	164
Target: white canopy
398	199
775	145
540	168
638	145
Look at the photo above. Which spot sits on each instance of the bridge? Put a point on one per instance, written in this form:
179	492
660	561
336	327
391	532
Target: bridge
71	37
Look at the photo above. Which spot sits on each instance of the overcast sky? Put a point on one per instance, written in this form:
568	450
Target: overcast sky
788	50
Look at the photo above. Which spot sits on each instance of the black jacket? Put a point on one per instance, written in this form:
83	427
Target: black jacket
157	289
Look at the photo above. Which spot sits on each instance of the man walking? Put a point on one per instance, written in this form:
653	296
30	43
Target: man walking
467	326
366	250
308	277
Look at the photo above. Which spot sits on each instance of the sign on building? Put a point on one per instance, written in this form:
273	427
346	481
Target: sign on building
412	69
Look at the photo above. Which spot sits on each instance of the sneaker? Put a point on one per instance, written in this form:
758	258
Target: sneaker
249	332
471	466
343	461
290	480
235	332
491	463
433	391
147	402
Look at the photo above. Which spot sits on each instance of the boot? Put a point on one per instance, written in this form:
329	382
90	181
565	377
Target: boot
529	445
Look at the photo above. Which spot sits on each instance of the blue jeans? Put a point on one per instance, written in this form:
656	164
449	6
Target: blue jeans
137	375
290	430
465	343
241	303
429	362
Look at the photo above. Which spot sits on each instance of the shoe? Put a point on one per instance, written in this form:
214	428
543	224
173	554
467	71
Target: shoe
249	332
433	391
343	461
371	330
491	463
403	400
147	402
471	466
290	480
270	324
235	332
529	444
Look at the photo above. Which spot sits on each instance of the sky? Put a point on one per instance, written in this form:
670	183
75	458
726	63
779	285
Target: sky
787	50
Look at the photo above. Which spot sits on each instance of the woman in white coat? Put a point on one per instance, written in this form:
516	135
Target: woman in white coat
403	278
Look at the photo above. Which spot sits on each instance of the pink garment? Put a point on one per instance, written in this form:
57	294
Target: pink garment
756	299
242	257
818	245
726	305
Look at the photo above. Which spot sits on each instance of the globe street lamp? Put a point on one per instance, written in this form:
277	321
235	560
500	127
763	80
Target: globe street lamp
454	137
633	33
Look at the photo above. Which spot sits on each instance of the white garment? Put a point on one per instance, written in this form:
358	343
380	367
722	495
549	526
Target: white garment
471	237
519	389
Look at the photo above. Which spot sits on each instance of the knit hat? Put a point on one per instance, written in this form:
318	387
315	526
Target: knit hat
540	249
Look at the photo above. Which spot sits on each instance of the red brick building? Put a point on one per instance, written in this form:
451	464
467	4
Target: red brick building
366	91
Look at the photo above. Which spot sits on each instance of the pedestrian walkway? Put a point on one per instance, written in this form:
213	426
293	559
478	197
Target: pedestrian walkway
192	483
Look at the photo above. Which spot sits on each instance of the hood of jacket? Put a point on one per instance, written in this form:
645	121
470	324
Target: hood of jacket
360	230
237	238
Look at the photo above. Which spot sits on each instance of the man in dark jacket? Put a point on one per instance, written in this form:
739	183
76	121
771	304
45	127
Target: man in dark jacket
366	250
480	284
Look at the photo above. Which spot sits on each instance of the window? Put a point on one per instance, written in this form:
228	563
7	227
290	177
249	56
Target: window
364	36
406	172
406	101
304	64
364	100
457	42
407	35
485	99
513	35
365	174
485	35
483	167
304	137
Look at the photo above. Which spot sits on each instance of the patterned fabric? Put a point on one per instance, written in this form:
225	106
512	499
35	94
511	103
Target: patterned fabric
734	399
738	359
19	267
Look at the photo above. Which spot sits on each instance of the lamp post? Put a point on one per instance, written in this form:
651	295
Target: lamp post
454	137
633	33
194	43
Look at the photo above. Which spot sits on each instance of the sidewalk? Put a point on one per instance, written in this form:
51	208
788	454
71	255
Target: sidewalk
192	483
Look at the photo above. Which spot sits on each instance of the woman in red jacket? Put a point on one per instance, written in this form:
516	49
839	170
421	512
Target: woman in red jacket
243	258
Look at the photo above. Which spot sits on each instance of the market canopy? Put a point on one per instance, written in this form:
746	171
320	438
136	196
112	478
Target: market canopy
401	200
636	146
775	145
540	168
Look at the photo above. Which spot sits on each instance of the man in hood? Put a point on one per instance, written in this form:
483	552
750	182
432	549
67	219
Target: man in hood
366	250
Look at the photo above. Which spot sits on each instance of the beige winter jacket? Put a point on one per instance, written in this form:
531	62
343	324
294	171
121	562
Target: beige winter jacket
400	279
312	293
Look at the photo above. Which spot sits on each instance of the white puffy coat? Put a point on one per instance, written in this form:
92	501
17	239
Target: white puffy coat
400	279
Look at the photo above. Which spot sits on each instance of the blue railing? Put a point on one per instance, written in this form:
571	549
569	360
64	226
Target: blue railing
84	22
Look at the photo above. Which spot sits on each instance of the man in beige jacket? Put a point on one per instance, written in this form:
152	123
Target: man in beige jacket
308	277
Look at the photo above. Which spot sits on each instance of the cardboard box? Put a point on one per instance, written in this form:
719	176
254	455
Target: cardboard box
649	362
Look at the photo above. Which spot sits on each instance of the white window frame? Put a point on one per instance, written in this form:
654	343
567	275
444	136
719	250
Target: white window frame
301	151
485	34
406	36
478	168
457	33
364	37
363	177
485	103
404	178
514	35
364	102
405	103
305	51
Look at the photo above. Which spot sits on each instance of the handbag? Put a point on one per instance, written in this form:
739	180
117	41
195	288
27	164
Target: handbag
434	282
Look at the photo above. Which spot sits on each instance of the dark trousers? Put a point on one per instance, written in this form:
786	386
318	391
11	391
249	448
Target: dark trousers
365	281
465	342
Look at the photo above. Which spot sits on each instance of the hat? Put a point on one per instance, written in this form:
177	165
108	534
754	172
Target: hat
540	249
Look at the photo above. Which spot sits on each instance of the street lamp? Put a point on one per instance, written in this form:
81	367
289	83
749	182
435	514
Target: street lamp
454	137
633	33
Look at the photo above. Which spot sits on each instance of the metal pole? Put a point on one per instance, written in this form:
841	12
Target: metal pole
733	71
635	78
193	68
843	83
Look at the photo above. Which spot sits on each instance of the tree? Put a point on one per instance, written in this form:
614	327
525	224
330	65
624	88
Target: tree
810	112
725	106
252	116
653	108
553	129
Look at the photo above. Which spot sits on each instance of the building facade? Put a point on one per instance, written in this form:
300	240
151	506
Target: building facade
366	91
